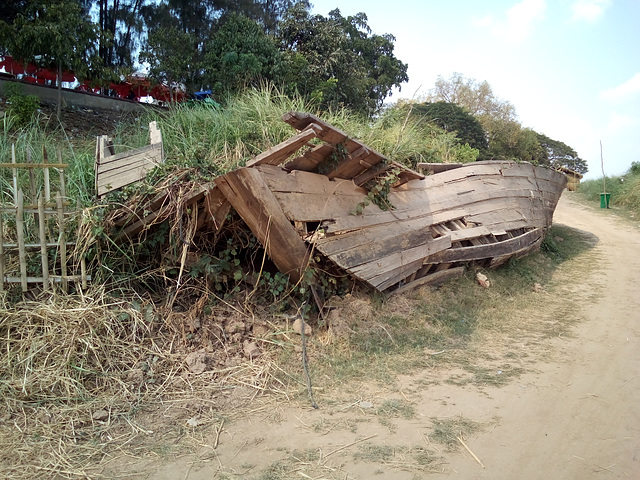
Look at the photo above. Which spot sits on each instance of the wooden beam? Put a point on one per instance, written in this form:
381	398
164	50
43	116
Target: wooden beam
432	280
279	153
250	196
481	252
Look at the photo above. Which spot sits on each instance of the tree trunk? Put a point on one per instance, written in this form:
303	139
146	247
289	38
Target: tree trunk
59	107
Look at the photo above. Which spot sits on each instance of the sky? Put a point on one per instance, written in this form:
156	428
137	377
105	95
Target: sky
571	68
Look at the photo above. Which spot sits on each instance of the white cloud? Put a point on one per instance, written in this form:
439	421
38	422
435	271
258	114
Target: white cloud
622	92
518	23
589	10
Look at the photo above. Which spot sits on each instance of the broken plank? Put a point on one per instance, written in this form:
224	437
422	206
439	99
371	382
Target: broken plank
433	280
481	252
379	265
217	207
278	153
250	196
311	158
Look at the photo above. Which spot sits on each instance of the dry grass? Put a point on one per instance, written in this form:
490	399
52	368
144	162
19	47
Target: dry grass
86	377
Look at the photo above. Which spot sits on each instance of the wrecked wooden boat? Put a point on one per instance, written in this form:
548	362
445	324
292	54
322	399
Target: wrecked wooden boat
322	192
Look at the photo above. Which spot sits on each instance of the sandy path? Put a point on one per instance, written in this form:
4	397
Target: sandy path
578	418
575	414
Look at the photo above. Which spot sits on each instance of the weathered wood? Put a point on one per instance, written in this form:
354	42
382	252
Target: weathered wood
113	171
22	255
14	173
250	196
279	153
433	279
44	258
45	171
479	252
32	247
434	168
379	265
2	261
51	278
310	160
217	207
62	245
32	166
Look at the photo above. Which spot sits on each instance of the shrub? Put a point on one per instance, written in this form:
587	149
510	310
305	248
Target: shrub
22	107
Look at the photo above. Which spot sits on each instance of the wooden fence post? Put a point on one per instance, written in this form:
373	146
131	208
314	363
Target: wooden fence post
22	254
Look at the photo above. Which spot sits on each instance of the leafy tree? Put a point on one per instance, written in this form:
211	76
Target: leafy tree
54	34
240	54
121	20
339	61
562	155
454	118
169	52
477	98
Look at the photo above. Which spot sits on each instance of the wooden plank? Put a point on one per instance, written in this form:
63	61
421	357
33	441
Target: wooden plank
14	173
52	278
22	255
378	266
44	257
311	158
45	170
371	173
433	168
217	207
362	247
62	245
32	166
250	196
355	163
279	153
2	261
481	252
32	247
146	153
433	279
155	135
391	277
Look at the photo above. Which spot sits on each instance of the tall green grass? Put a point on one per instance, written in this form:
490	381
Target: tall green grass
624	190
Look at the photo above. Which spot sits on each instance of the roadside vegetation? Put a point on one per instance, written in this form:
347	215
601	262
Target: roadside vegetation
624	190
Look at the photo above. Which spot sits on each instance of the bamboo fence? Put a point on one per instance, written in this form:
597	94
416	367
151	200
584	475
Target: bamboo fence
45	237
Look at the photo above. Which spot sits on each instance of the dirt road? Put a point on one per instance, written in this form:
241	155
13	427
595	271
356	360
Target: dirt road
578	417
574	414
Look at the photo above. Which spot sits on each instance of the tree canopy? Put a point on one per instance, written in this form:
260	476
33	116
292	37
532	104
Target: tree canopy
54	34
339	60
454	118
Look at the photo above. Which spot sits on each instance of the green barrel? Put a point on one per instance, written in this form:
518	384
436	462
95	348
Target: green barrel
604	200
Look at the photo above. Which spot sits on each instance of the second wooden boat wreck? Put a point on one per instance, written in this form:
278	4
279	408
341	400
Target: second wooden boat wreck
385	224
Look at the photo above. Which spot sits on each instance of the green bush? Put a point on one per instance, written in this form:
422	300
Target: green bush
22	107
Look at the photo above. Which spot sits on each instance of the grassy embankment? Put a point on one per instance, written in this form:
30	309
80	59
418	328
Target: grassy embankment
77	371
624	190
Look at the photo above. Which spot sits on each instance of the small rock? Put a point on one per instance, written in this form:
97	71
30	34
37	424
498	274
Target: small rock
136	375
297	327
558	239
196	362
194	422
538	288
251	349
260	329
100	415
483	280
365	404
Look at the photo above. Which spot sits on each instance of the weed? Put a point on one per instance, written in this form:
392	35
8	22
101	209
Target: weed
447	431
